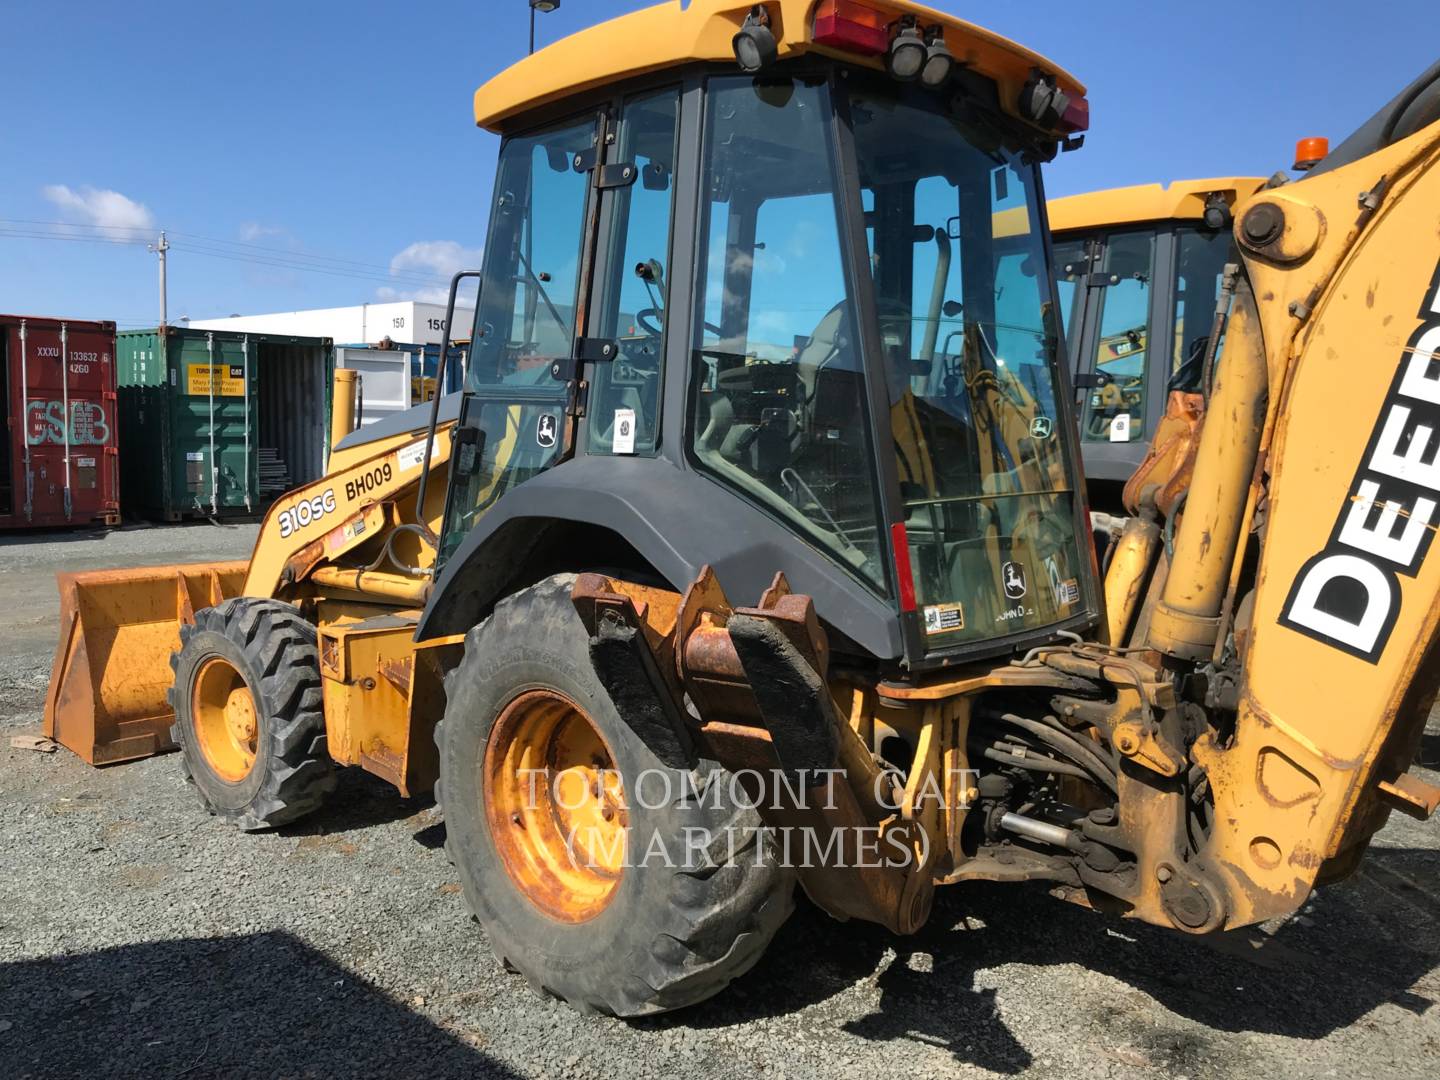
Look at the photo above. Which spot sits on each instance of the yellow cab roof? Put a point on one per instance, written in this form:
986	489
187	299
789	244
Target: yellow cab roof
1178	200
671	34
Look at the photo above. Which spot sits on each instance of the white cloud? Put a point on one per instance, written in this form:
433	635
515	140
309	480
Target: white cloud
431	258
104	209
251	231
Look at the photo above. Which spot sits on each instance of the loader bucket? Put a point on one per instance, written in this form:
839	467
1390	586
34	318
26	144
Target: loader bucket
107	698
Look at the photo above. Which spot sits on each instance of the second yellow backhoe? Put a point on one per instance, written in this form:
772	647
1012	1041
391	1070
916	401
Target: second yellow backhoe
755	552
1135	266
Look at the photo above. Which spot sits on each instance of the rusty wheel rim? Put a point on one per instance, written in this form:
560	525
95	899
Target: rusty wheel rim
555	807
227	728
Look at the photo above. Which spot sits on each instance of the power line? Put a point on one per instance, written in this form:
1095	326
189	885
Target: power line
290	253
279	259
393	279
77	225
19	235
235	250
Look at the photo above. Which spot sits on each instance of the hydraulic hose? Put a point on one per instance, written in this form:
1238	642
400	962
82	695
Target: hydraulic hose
1069	746
1036	764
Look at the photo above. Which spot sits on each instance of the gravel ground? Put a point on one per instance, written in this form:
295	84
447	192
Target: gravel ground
140	937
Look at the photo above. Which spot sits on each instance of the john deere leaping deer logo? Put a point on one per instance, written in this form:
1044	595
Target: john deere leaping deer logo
1012	576
545	430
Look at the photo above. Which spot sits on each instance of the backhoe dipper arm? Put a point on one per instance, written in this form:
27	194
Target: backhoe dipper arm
1322	446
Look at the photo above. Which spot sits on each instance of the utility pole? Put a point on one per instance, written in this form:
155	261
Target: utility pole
545	6
160	247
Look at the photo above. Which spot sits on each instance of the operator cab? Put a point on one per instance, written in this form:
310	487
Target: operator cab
812	304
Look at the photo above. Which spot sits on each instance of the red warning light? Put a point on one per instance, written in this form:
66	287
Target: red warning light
852	27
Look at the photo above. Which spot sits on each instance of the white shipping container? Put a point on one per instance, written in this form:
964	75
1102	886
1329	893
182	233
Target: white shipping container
384	381
406	321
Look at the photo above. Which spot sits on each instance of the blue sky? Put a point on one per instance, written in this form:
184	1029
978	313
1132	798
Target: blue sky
307	133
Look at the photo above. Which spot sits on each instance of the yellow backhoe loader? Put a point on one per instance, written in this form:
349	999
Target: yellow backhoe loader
1136	266
768	315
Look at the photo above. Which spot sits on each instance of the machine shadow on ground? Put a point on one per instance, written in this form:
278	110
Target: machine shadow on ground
259	1005
360	801
1381	928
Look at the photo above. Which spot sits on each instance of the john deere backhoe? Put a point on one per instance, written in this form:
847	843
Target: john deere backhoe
768	315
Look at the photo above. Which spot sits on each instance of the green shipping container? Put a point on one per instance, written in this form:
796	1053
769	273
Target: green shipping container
218	423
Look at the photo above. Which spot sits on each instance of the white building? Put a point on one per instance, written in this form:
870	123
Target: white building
406	321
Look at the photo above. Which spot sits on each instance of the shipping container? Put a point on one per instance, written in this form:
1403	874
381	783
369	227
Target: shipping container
424	363
384	383
219	424
57	394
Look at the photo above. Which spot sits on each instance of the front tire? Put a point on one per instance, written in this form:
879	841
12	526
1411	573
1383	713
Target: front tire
249	714
642	934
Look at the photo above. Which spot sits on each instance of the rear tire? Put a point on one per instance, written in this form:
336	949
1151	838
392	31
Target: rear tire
657	937
249	714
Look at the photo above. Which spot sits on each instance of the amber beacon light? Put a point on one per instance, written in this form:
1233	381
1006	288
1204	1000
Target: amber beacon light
1308	153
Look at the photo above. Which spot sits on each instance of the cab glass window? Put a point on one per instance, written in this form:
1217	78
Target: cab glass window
1201	266
778	400
526	313
969	347
512	423
1115	406
625	397
1070	270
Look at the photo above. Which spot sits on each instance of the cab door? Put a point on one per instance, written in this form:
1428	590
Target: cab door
1113	285
529	317
556	331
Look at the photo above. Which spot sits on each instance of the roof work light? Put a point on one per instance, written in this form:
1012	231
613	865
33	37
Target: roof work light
907	53
754	45
939	61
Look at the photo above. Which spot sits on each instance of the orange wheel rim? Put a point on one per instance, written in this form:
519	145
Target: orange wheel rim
555	805
227	728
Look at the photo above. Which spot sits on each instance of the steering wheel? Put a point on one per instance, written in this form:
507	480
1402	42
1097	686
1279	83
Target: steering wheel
648	319
643	319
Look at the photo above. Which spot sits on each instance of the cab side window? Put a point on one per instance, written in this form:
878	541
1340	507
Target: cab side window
624	414
526	315
1115	407
1201	264
778	394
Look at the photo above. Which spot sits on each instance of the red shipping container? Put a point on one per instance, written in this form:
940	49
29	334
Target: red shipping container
56	471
